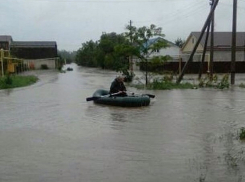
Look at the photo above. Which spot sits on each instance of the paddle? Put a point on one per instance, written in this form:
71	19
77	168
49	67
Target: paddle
149	95
95	98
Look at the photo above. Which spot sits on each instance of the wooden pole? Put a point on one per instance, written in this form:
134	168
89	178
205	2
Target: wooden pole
1	58
130	57
180	64
198	41
233	49
212	46
204	53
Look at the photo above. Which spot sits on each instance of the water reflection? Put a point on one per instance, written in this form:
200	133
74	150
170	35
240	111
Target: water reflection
118	117
6	91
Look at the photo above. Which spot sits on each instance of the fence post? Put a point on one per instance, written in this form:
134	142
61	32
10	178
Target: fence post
180	65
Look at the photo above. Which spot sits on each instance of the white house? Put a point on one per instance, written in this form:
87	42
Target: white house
172	50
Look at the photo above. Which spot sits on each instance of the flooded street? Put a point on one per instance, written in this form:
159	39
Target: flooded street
49	133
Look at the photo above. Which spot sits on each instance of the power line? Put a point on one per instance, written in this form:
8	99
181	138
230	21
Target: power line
184	13
94	1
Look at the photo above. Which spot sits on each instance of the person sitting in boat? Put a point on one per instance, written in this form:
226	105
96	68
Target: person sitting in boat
118	87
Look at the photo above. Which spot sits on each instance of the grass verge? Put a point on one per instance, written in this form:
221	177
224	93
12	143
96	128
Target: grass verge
15	81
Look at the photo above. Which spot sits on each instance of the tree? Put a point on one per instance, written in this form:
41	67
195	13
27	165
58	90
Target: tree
142	40
86	55
108	45
179	42
68	56
105	53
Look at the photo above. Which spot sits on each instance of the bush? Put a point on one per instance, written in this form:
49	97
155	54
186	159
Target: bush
242	133
44	66
166	84
224	82
214	82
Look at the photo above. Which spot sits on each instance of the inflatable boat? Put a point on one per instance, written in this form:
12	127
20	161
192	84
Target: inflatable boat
133	100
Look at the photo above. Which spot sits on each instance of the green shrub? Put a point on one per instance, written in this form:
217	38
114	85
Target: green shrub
166	84
242	133
168	78
242	85
214	82
224	83
44	66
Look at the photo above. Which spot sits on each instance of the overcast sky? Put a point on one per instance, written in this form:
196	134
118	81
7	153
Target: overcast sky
73	22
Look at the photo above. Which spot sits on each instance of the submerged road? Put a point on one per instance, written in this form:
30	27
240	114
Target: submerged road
49	133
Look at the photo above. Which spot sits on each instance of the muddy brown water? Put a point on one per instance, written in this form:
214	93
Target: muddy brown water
49	133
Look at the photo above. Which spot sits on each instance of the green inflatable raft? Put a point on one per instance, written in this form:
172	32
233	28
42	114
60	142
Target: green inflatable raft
103	97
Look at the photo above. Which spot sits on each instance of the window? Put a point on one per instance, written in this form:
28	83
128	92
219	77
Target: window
193	40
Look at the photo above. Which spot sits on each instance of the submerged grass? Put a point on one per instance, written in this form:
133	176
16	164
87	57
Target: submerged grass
165	86
167	82
16	81
242	85
242	133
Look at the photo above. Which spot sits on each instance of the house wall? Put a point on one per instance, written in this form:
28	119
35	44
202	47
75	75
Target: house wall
36	64
173	51
219	56
196	57
35	57
225	56
189	45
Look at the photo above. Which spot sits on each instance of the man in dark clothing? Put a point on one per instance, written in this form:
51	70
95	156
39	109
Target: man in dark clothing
117	86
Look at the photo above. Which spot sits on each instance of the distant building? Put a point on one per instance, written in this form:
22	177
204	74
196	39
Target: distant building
34	53
5	41
34	49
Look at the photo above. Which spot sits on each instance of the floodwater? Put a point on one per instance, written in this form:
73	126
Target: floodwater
49	133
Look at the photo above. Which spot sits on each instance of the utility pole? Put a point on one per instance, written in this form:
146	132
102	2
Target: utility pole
206	42
233	49
130	57
1	59
204	53
211	45
198	41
